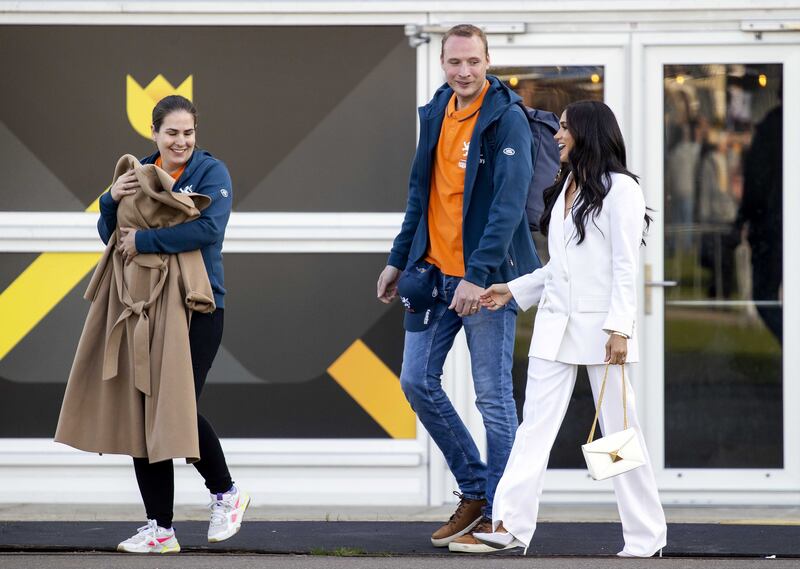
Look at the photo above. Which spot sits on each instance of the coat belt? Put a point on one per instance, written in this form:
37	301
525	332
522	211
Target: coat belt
141	328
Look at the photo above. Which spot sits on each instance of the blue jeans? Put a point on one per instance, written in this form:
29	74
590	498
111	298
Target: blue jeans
490	338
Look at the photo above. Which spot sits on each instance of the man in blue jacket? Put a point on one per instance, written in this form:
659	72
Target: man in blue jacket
464	229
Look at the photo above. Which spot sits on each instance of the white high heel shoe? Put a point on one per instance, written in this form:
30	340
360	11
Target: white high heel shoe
499	540
626	554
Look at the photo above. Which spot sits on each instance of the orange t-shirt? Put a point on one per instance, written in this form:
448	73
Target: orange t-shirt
177	173
445	216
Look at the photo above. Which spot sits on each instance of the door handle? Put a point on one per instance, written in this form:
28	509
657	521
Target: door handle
661	283
649	283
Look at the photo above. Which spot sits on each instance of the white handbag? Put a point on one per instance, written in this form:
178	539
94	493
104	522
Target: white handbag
615	453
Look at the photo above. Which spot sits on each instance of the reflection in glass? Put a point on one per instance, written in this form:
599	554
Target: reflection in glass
552	89
723	244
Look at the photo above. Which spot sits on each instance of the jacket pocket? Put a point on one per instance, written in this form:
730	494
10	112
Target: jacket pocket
593	303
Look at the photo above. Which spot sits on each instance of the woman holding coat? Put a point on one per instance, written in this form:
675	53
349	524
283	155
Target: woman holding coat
594	218
194	170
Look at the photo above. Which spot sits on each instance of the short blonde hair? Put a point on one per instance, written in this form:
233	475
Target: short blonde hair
466	31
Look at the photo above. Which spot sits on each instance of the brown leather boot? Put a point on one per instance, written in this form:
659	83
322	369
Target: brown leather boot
467	542
467	514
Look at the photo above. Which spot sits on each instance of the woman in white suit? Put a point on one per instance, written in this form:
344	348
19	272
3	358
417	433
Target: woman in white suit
594	218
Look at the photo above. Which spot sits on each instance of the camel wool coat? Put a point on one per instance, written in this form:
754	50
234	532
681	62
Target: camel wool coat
131	388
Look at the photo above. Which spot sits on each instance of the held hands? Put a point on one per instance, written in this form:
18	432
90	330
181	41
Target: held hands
125	185
496	296
387	284
616	349
466	299
127	242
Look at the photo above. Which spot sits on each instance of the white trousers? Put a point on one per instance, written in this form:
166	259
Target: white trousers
547	395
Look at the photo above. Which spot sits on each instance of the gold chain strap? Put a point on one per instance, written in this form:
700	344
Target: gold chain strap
600	402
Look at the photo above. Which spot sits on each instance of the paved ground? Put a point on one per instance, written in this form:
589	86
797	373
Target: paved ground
781	524
595	539
229	561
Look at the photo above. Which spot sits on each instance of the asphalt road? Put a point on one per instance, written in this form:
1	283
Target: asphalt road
232	561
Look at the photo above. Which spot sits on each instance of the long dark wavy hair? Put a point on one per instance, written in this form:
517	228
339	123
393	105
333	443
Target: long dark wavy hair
598	151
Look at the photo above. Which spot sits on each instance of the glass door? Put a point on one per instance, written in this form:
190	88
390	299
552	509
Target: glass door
720	287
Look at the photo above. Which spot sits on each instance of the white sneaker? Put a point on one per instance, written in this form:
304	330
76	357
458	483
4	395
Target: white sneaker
151	538
227	511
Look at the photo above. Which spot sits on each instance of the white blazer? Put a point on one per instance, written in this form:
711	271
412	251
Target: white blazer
587	290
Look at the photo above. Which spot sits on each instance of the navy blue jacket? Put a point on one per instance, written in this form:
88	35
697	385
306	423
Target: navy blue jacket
497	241
204	174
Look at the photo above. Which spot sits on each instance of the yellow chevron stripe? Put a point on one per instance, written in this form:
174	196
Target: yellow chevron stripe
376	388
39	288
95	205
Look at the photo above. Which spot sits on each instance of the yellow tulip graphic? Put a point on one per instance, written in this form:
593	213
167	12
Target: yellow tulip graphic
141	101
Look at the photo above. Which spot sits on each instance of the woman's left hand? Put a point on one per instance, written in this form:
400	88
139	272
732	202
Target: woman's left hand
127	242
616	349
496	296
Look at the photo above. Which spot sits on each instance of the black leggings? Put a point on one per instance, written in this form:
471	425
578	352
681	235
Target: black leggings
157	480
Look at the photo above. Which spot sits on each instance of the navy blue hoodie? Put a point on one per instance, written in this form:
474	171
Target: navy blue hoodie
204	174
497	241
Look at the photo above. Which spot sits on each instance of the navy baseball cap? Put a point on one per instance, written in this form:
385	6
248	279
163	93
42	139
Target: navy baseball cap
418	292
